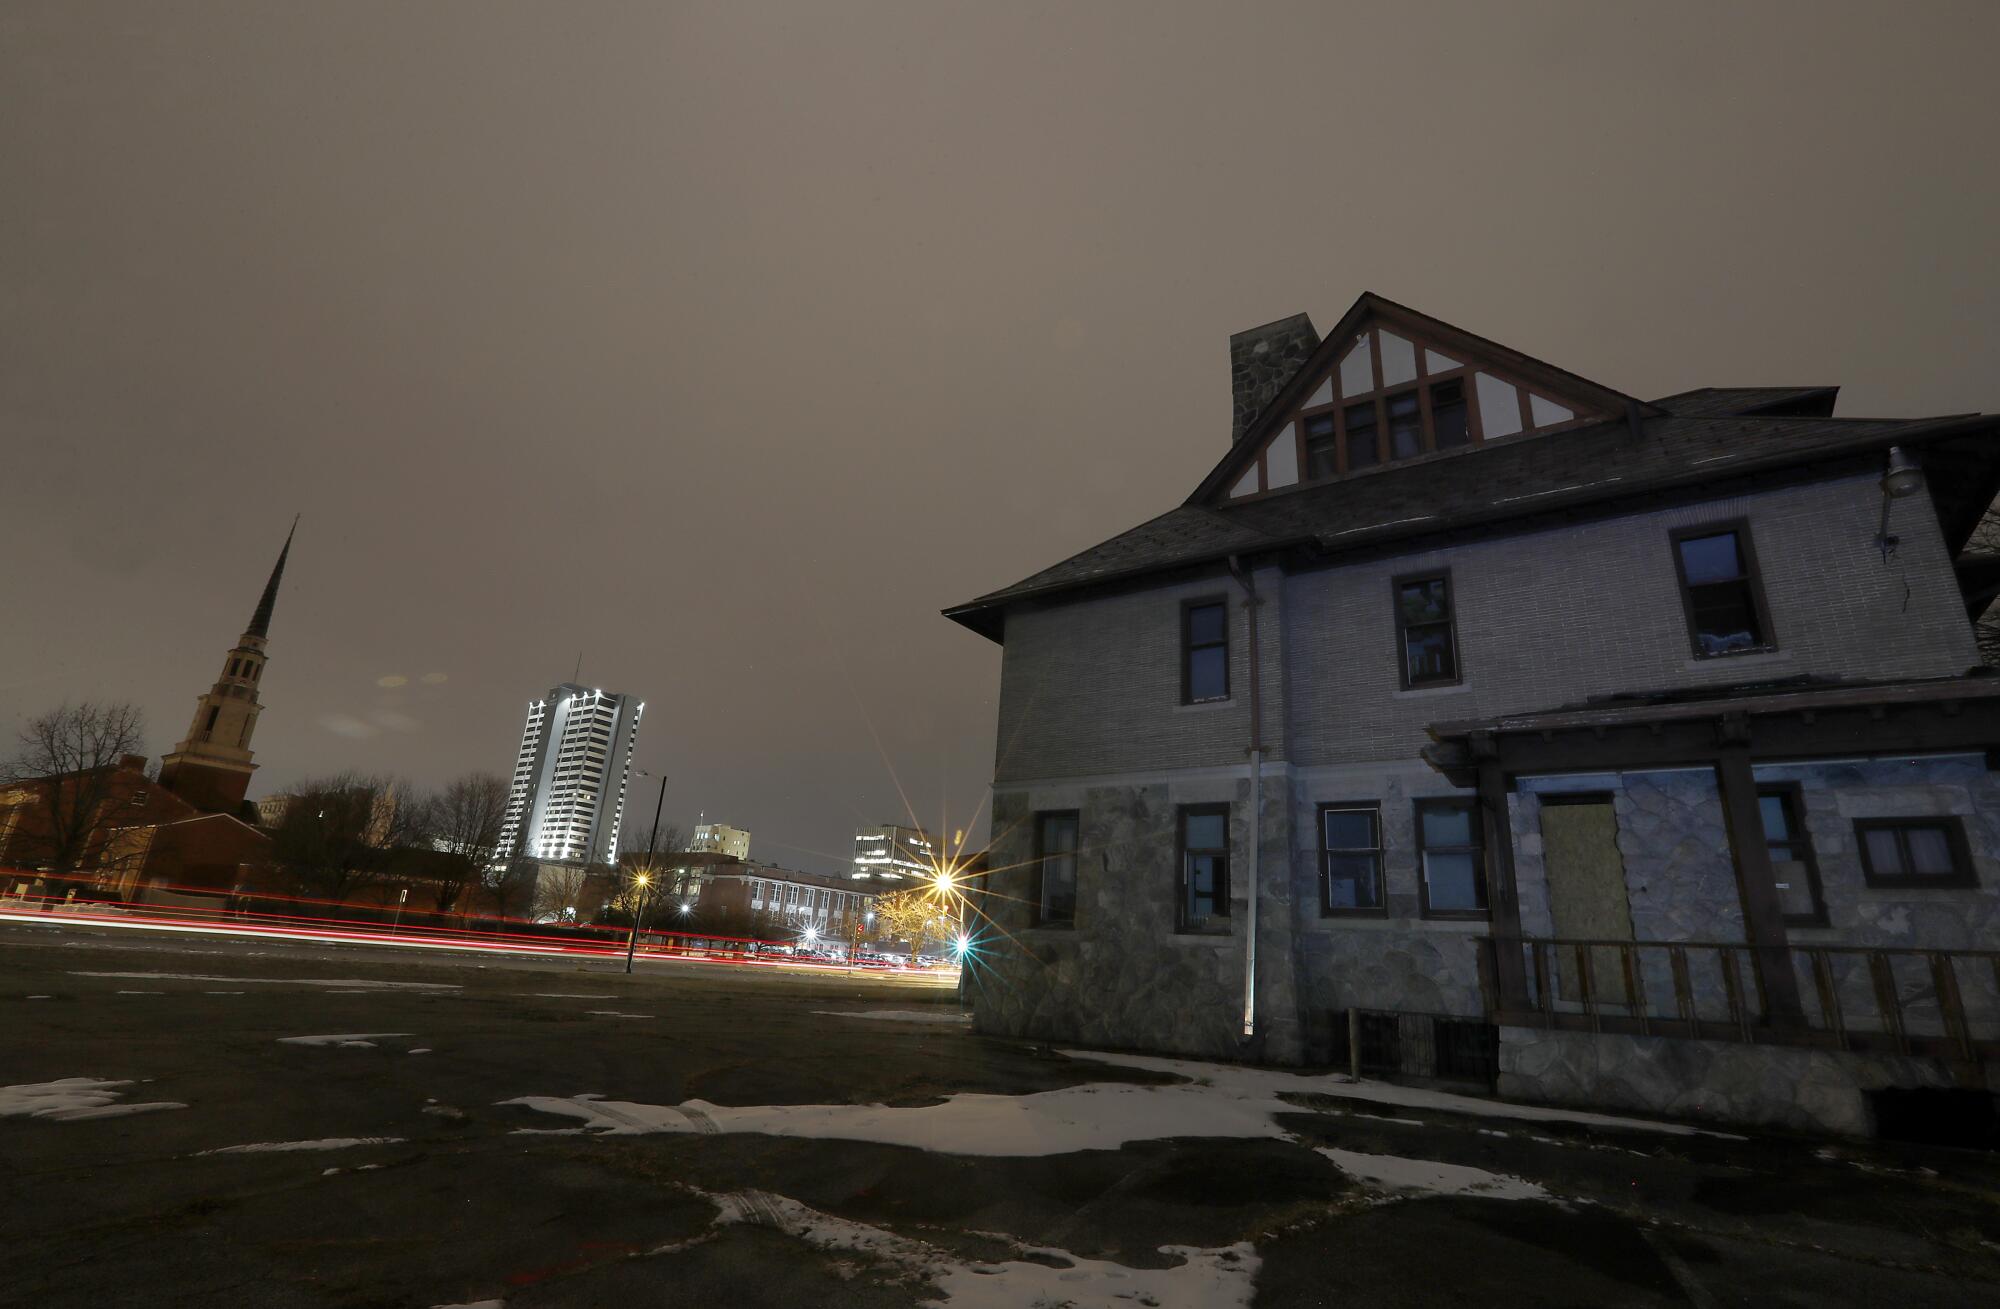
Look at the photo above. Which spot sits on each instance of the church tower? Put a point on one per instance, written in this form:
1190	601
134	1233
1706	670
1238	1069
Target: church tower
211	768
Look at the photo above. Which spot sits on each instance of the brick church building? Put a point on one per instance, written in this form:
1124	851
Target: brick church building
190	831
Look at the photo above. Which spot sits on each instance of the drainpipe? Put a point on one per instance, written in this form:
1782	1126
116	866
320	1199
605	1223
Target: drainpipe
1251	603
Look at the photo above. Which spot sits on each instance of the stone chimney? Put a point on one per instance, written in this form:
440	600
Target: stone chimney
1261	361
132	762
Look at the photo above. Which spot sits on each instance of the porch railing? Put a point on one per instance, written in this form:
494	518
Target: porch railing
1943	1003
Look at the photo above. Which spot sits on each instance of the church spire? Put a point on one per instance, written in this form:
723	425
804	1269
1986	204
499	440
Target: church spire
260	622
211	768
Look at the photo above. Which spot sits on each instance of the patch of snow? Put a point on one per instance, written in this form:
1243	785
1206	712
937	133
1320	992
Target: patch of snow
944	1016
142	993
1098	1116
73	1099
41	997
346	1041
613	1013
1204	1279
222	993
360	983
422	1049
1246	1081
1390	1172
329	1143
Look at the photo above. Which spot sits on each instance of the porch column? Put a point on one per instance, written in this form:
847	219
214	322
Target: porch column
1503	901
1757	885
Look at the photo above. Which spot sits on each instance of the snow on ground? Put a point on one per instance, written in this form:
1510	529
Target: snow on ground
947	1016
1216	1100
73	1099
346	1041
1245	1081
613	1013
1204	1279
329	1143
1098	1116
357	983
1390	1172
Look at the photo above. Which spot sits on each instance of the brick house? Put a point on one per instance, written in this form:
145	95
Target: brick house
1471	718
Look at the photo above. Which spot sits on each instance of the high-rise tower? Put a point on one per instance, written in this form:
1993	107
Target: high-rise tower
211	768
568	795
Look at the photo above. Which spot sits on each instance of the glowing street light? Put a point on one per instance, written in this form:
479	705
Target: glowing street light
640	880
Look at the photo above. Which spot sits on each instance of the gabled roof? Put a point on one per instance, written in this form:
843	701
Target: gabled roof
1601	463
1629	450
1580	393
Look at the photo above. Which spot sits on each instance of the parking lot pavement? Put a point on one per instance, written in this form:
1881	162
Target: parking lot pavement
198	1122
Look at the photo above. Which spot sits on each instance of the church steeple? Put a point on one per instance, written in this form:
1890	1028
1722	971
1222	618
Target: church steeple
211	768
260	622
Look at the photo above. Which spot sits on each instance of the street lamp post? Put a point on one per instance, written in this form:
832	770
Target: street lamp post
645	875
638	917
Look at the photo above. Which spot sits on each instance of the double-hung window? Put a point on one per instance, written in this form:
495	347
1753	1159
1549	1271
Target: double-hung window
1204	868
1204	651
1792	864
1426	630
1451	859
1055	868
1720	592
1917	853
1350	856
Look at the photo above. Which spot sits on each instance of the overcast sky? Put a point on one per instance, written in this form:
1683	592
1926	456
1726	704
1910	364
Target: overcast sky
726	344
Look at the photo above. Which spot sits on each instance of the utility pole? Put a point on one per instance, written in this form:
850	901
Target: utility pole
645	876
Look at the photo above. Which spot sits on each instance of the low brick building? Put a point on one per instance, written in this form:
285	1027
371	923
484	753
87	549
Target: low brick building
1472	718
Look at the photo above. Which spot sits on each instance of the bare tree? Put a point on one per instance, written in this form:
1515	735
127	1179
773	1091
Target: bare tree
463	821
66	761
560	890
338	832
915	915
509	885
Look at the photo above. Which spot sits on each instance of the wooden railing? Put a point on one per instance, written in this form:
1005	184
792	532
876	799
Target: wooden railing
1944	1003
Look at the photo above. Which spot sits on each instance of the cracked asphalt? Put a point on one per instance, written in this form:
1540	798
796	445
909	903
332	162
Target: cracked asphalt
458	1205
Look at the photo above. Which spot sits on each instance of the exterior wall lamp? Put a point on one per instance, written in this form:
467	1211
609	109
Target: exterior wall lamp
1902	480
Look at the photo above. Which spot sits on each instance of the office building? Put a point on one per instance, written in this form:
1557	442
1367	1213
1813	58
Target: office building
568	794
719	838
892	853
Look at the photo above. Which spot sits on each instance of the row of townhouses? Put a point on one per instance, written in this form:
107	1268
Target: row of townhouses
1473	719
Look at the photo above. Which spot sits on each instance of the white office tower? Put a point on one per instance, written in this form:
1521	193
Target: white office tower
568	796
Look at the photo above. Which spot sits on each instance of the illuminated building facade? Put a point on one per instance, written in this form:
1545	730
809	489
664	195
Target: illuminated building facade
892	853
568	794
720	838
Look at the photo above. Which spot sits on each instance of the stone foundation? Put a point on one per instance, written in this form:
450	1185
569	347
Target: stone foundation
1816	1091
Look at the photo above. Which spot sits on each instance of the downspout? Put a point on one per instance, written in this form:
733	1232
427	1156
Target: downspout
1251	603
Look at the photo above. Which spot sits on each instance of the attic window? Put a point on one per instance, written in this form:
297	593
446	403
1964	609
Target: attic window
1392	397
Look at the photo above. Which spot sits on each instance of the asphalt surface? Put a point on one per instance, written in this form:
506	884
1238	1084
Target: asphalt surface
461	1205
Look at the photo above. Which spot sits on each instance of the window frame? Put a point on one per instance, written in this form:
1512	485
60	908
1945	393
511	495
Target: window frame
1396	585
1477	828
1188	648
1182	813
1753	576
1792	796
1963	876
1037	916
1327	909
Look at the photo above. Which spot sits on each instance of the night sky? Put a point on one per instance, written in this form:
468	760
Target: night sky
725	345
